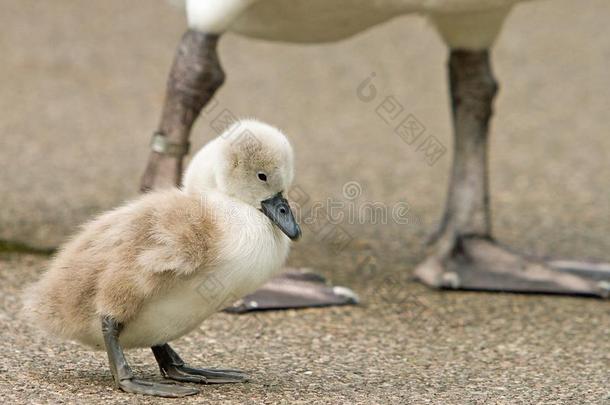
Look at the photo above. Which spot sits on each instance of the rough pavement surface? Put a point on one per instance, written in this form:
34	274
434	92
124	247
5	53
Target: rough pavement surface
407	345
81	92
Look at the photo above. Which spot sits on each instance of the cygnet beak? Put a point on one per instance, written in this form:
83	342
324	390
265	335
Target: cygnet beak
278	211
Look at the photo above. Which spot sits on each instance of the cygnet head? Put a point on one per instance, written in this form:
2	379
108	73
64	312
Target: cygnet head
252	162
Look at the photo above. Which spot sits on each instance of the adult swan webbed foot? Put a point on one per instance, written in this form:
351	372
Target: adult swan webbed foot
475	263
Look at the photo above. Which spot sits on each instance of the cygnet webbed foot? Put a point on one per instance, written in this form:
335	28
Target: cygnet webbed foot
173	367
136	386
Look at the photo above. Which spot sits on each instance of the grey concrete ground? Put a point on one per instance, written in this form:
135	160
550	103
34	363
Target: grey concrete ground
82	85
408	345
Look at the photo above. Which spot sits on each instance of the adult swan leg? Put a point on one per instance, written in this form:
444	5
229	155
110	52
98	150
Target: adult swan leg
195	76
463	254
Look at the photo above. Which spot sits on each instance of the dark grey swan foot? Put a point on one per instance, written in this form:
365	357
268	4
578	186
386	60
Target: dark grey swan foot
173	367
477	263
295	288
122	374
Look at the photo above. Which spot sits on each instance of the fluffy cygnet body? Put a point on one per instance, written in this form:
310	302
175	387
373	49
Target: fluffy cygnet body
155	268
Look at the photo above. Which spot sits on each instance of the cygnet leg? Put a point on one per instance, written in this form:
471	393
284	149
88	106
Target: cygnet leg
123	376
174	368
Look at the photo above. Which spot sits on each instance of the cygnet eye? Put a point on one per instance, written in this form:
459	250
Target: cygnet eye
262	176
